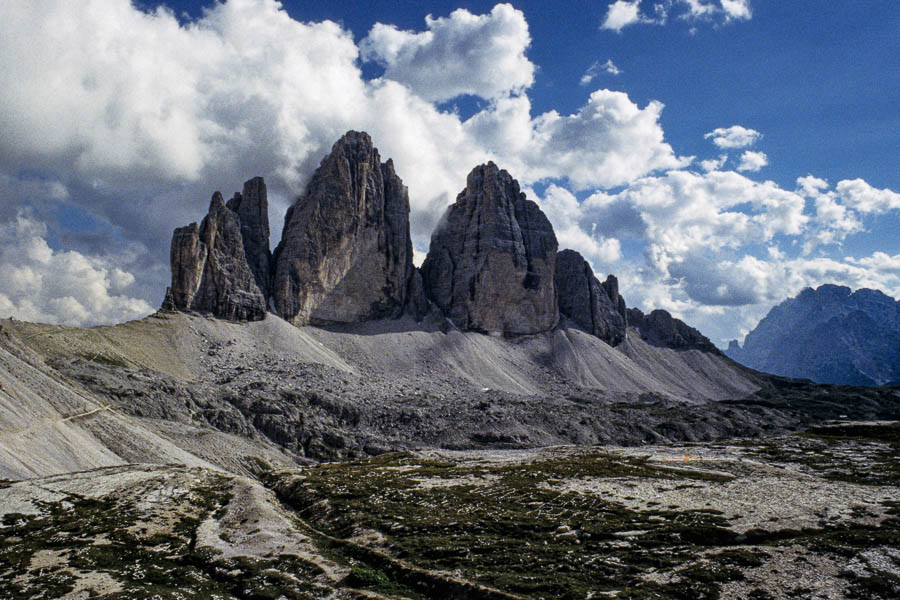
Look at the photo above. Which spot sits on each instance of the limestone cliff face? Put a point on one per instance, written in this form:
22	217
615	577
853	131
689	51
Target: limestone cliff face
252	209
346	257
611	285
210	273
660	328
589	304
491	263
346	254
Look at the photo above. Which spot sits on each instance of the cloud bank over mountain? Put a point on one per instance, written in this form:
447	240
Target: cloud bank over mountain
121	125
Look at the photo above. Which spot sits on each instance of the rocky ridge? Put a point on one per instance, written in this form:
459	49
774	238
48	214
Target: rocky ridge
346	257
829	335
210	268
595	307
660	328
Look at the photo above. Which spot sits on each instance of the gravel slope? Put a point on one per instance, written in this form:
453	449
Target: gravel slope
176	388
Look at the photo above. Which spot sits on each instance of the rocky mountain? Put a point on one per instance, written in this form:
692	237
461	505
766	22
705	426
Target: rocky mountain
346	257
660	328
211	270
829	335
491	263
346	253
595	307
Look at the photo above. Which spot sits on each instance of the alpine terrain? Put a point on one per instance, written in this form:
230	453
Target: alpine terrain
327	420
828	335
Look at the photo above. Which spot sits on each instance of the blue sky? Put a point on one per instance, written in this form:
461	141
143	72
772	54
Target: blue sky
823	76
612	115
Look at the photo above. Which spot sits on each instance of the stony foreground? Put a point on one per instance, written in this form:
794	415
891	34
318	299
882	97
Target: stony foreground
815	515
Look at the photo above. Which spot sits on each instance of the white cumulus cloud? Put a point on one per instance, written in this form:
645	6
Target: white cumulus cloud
733	137
753	161
737	9
861	196
881	263
564	212
621	14
482	55
608	142
41	284
727	10
714	164
833	220
685	211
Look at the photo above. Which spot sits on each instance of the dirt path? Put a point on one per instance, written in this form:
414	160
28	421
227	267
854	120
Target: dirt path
46	423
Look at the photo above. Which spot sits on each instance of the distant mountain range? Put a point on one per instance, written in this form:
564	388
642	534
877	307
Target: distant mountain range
829	335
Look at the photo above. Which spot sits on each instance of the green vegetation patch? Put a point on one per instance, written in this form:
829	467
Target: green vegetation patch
855	453
502	526
108	535
815	402
516	527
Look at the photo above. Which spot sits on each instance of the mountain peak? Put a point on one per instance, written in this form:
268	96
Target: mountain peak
830	335
346	257
832	290
346	253
491	264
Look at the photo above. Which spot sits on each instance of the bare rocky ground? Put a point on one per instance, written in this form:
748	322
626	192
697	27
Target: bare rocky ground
174	457
797	516
202	392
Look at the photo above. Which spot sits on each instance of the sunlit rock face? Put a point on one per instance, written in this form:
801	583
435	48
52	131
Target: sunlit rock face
346	254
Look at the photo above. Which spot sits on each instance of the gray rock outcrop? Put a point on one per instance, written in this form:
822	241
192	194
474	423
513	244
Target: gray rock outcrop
252	208
611	285
346	253
660	328
589	304
210	272
490	266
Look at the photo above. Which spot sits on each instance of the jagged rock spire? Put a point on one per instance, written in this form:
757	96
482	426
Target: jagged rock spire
210	273
252	208
346	254
589	304
491	262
